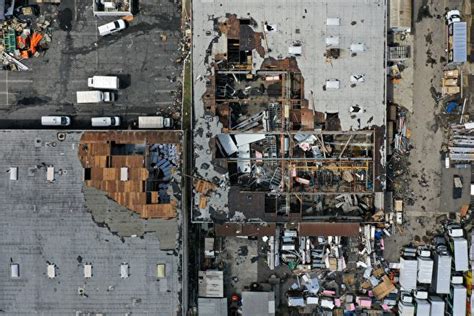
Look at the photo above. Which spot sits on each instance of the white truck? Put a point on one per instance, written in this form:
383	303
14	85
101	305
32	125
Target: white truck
94	96
154	122
408	274
425	270
104	82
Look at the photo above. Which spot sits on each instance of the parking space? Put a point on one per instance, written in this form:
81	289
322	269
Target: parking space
144	56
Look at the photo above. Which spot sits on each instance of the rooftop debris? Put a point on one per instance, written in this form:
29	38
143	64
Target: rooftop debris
136	169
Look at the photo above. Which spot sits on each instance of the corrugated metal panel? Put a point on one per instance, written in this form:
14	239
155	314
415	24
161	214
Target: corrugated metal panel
459	42
227	143
329	229
400	14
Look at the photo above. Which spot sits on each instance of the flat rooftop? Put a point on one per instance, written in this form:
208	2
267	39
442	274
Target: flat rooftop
278	86
50	222
143	56
360	22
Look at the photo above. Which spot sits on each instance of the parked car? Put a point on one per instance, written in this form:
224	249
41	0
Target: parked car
112	27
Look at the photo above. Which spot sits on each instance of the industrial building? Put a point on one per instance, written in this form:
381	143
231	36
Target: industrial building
289	108
72	245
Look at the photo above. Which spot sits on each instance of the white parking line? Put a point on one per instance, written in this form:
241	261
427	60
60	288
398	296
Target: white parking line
17	81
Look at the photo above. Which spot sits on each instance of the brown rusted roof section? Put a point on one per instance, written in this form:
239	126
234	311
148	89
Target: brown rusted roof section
95	153
329	229
247	229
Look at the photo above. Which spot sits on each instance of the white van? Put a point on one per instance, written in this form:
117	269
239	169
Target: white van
105	121
112	27
55	121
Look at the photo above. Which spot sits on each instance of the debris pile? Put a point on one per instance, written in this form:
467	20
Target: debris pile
24	38
402	137
461	142
451	82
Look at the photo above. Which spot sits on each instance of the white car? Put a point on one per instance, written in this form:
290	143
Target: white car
112	27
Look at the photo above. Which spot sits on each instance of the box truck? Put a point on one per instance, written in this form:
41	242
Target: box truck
425	270
423	307
441	274
457	300
104	82
437	306
459	247
154	122
406	309
94	96
408	274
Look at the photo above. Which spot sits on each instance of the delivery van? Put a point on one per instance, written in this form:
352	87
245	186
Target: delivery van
105	121
55	121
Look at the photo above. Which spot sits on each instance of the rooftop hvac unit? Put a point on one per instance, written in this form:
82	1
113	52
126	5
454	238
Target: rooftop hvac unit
110	6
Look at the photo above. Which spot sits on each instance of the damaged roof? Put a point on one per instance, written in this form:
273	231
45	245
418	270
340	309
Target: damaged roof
329	229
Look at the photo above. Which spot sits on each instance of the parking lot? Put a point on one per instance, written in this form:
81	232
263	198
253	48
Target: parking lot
143	56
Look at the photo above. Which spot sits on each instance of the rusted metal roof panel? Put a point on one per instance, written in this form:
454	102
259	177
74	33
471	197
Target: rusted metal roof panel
329	229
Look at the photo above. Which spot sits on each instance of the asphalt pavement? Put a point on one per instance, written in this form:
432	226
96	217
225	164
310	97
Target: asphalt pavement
143	56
